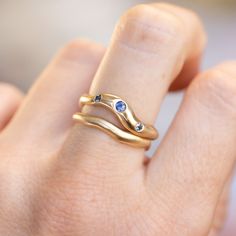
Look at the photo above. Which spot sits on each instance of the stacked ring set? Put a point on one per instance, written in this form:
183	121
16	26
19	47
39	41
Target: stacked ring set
135	133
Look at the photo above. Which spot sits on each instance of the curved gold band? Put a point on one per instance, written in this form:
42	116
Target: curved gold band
124	112
116	133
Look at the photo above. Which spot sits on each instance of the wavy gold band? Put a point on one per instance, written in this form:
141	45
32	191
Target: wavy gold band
124	112
118	134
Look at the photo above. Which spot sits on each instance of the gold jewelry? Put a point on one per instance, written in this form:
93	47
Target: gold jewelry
116	133
138	134
123	112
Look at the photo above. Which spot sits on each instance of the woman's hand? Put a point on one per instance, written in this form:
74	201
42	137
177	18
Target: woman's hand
57	178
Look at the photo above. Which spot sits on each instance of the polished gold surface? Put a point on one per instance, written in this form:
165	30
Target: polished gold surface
126	117
116	133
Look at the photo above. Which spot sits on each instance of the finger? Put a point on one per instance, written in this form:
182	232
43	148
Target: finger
189	71
191	65
10	99
197	155
47	111
148	50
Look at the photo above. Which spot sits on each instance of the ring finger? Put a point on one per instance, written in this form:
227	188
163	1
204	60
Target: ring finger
149	48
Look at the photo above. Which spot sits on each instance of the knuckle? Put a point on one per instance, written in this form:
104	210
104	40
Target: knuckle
229	66
192	17
219	85
181	12
192	24
10	91
81	44
145	27
81	50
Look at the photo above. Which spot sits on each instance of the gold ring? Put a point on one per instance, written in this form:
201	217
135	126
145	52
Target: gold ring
116	133
123	112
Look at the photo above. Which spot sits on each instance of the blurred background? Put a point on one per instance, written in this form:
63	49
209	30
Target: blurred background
32	31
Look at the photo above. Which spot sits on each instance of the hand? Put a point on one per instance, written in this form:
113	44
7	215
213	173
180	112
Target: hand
57	178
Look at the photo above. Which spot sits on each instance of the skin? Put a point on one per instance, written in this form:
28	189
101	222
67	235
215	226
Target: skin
60	178
10	100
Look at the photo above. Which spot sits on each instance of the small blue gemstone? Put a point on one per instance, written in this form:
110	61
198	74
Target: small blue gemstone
120	106
97	98
139	127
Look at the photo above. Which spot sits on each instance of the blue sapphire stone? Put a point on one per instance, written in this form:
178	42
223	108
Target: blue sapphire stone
97	98
120	106
139	127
